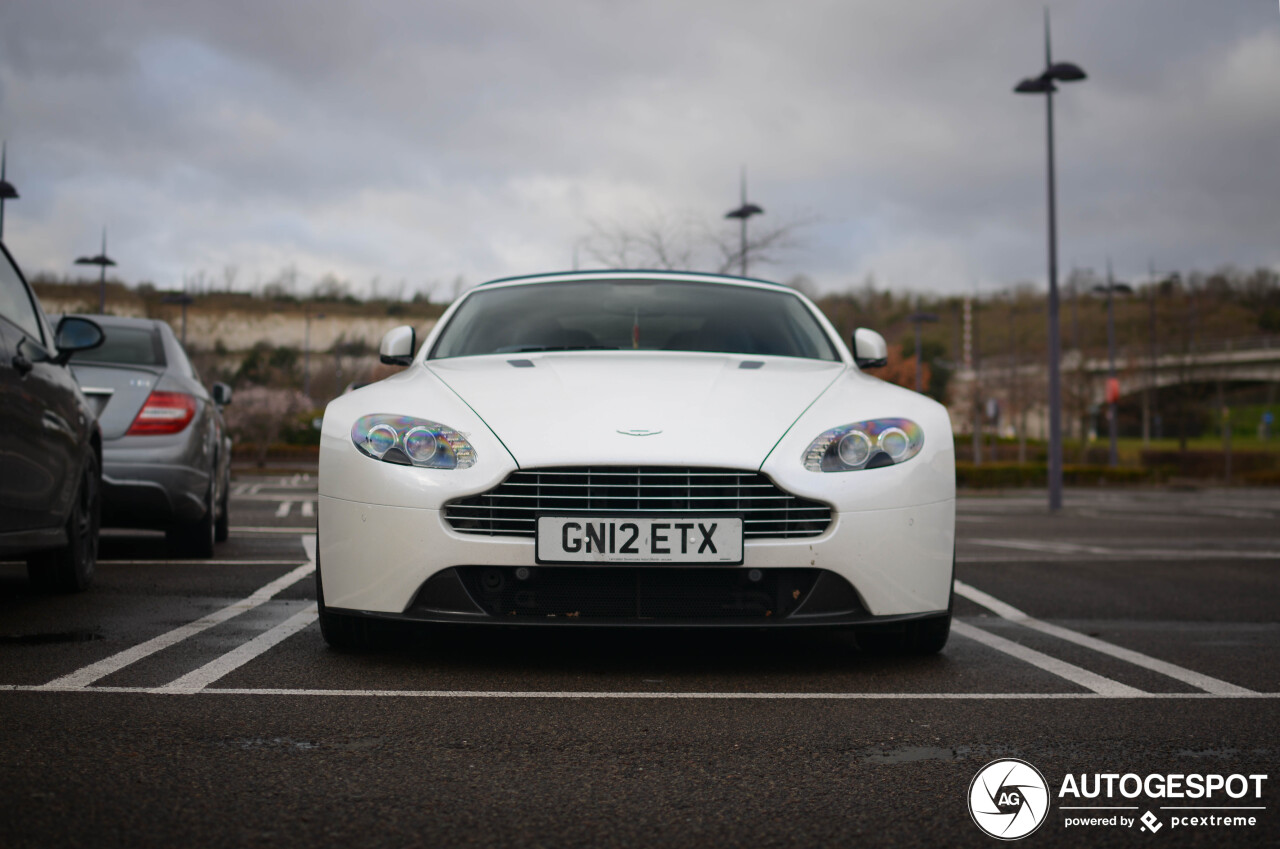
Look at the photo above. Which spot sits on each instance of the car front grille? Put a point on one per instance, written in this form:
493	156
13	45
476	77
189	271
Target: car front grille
511	508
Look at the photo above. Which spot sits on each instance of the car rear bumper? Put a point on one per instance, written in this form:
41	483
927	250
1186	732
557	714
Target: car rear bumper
151	495
395	562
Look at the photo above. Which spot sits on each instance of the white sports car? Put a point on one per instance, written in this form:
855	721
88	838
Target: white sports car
631	448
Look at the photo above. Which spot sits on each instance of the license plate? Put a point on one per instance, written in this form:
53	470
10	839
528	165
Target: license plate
682	540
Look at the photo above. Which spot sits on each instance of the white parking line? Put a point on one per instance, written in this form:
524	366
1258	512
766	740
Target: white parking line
200	679
283	510
1180	519
276	483
1096	551
195	681
1236	514
1071	672
249	529
1013	614
85	676
637	695
277	497
168	564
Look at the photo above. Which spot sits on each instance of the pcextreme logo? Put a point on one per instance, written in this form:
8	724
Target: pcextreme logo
1008	799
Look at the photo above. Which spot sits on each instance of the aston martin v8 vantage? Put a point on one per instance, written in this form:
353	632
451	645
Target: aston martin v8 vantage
633	448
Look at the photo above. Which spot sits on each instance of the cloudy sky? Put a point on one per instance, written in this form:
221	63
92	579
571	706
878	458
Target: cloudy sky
411	141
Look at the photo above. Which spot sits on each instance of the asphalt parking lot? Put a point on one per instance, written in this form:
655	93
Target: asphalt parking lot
194	702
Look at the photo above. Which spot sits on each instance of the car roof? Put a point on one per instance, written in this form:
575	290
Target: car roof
121	320
633	274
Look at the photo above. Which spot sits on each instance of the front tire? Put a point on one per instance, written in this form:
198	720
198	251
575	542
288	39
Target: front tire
195	539
919	637
70	569
344	633
222	526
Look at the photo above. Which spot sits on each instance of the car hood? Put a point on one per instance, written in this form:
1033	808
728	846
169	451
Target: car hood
638	408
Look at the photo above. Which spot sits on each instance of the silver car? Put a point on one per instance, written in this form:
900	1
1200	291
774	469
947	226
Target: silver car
166	455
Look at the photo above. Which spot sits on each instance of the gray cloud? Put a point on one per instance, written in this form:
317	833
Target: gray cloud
422	141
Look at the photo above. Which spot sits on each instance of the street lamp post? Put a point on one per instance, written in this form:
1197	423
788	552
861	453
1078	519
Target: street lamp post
306	352
1044	84
578	245
1017	401
919	318
7	191
1110	290
102	261
185	300
742	213
1148	407
973	361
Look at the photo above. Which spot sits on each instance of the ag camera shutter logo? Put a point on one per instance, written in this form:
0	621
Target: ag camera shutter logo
1008	799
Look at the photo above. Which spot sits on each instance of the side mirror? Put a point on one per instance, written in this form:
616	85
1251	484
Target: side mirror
76	334
397	346
869	349
221	394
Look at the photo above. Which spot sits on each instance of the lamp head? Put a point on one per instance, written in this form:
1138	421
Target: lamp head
1035	85
745	211
1065	72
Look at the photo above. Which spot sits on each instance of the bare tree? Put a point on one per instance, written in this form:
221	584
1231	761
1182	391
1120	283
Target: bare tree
901	369
765	243
260	415
196	284
686	242
803	284
426	290
284	284
1076	387
655	242
330	288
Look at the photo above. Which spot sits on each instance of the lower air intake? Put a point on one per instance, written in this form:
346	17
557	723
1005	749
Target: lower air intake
638	593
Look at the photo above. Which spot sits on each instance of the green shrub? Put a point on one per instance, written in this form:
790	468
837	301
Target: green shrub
1006	475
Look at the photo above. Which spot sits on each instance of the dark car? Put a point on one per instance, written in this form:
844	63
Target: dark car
165	450
50	446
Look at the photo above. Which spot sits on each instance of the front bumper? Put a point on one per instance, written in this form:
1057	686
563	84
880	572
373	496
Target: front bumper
378	560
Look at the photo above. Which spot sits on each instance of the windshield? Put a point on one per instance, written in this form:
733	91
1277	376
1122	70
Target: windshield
133	346
634	315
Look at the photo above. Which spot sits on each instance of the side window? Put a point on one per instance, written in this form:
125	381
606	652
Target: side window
179	358
15	302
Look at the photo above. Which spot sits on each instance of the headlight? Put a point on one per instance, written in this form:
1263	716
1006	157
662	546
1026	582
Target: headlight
412	442
864	445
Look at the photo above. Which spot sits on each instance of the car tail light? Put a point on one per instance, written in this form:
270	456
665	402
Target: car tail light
164	413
